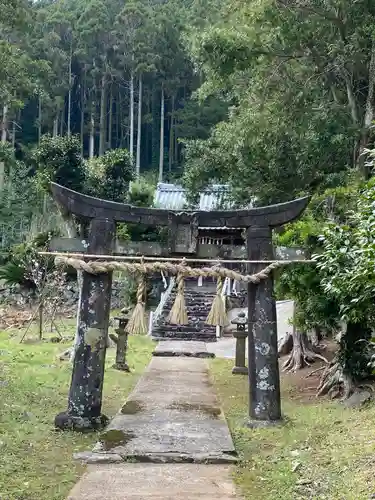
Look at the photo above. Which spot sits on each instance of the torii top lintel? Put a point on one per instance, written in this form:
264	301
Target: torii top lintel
88	207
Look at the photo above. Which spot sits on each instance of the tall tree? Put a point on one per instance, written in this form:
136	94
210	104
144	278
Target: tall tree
18	70
61	19
134	34
95	42
172	64
127	29
161	151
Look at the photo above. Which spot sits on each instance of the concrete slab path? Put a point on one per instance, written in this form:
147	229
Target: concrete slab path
187	348
173	426
155	482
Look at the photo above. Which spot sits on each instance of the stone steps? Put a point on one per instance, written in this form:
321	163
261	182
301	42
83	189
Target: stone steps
203	337
198	303
183	328
192	315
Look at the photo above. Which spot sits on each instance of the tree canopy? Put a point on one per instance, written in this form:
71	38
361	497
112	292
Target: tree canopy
299	79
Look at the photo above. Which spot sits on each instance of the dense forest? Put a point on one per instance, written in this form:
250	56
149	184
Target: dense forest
248	93
116	73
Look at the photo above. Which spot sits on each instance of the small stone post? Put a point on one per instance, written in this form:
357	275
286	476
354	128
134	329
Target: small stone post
240	335
264	378
85	394
121	342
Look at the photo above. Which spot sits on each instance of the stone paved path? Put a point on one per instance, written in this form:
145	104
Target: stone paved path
172	425
156	482
170	348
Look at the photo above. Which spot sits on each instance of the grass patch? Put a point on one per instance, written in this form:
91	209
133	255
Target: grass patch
323	451
36	462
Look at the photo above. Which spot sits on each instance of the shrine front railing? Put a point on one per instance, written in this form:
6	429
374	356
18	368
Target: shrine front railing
155	315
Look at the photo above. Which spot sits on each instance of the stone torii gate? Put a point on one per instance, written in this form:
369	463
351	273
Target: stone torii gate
85	395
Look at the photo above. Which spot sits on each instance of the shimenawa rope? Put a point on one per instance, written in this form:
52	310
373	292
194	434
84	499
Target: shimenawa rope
137	322
217	315
178	314
96	267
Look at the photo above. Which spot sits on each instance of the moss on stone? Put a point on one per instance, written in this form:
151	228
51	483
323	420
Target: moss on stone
115	437
132	407
212	411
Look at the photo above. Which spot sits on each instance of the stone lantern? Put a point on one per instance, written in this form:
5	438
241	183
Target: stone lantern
240	335
121	341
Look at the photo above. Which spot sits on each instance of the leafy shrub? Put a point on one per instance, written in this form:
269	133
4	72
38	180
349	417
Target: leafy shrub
109	175
14	273
347	263
19	201
58	159
22	258
346	266
141	193
302	282
122	232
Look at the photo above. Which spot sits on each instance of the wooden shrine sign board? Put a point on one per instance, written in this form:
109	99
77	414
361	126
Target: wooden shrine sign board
85	396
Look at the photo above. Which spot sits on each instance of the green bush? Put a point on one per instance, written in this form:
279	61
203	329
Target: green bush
19	201
347	262
21	259
141	194
58	159
346	266
302	282
14	273
108	176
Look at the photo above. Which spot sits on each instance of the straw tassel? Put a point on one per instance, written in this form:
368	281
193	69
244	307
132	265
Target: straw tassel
137	323
178	315
218	316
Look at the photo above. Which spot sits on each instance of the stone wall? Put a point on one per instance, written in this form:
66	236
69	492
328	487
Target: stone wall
19	297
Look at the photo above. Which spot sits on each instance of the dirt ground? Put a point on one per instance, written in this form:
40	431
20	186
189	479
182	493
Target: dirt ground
302	385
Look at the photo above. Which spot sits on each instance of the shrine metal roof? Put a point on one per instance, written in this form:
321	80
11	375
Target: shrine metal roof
173	197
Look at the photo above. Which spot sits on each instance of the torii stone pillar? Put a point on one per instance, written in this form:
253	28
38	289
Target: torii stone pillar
85	395
264	378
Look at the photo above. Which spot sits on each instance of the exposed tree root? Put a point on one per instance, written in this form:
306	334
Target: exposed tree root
285	344
335	382
352	355
321	368
366	387
301	355
315	337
